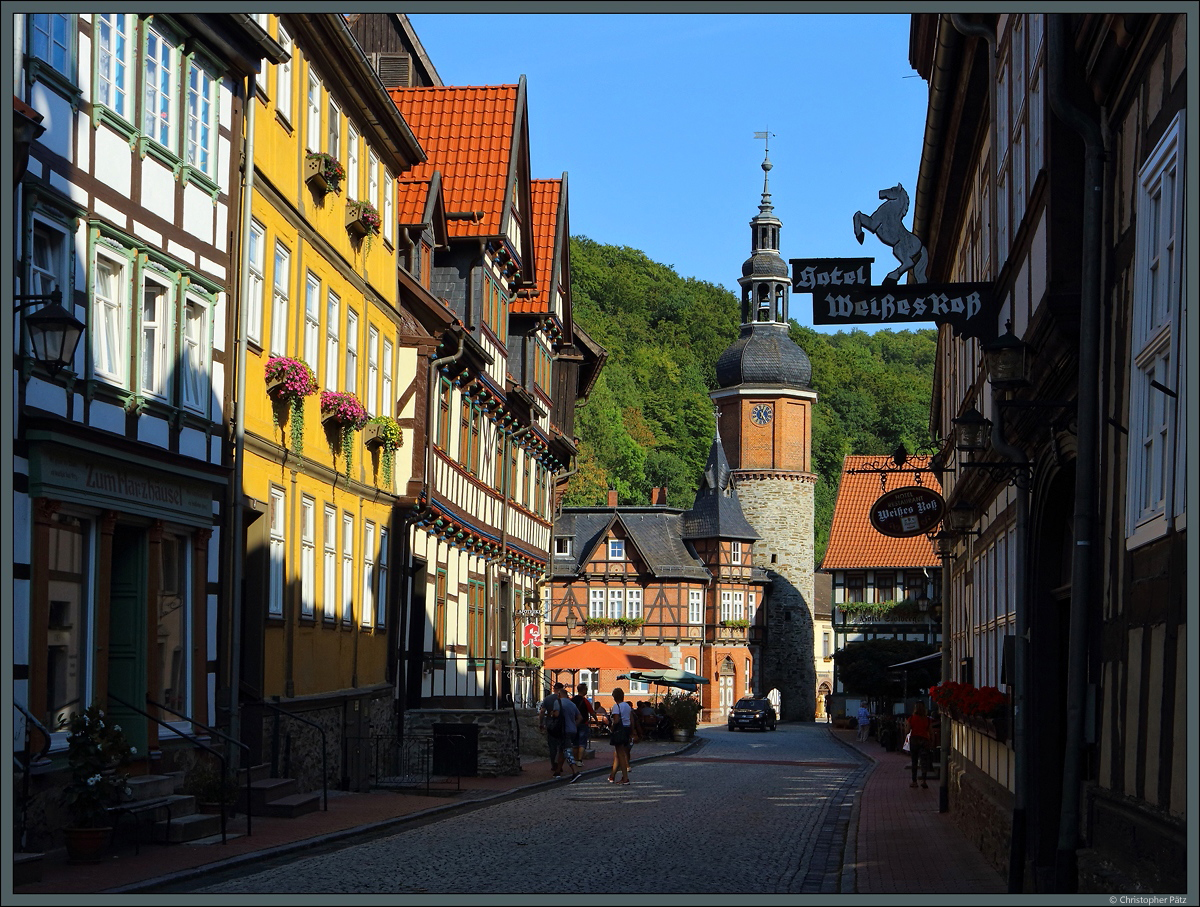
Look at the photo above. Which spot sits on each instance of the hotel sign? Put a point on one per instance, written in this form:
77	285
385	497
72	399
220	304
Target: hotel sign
109	485
967	307
909	511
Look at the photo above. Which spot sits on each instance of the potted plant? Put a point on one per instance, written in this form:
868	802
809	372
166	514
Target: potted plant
383	432
361	218
96	749
211	787
343	414
289	381
323	172
739	623
683	710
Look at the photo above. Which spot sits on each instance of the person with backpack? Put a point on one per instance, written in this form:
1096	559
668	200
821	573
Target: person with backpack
586	714
562	721
620	735
552	744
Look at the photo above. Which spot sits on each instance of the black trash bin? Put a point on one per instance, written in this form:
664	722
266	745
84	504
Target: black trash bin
456	750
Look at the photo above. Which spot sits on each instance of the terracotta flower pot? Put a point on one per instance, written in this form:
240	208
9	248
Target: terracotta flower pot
87	845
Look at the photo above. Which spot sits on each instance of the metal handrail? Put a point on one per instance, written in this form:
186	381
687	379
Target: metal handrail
195	741
324	746
211	730
25	763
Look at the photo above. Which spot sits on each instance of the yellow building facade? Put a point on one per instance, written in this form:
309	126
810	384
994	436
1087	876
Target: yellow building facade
319	287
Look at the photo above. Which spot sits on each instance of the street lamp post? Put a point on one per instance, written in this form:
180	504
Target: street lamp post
944	541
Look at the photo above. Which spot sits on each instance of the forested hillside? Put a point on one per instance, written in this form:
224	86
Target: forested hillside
649	421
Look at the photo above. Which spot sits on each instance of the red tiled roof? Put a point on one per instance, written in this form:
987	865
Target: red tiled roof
411	198
467	133
854	544
546	194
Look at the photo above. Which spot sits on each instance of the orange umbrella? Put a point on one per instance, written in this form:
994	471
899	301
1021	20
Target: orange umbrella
595	654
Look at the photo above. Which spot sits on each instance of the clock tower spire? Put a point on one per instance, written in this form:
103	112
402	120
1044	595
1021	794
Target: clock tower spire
764	401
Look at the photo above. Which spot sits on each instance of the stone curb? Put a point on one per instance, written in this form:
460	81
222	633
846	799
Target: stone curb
848	884
374	829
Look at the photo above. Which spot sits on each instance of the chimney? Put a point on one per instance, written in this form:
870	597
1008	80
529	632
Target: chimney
659	496
612	497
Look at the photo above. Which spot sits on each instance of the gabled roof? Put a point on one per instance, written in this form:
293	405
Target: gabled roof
653	532
854	544
420	202
717	512
547	195
468	133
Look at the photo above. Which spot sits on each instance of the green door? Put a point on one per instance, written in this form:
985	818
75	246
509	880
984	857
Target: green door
127	631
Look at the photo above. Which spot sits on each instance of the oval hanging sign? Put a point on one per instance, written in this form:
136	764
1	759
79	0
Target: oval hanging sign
908	511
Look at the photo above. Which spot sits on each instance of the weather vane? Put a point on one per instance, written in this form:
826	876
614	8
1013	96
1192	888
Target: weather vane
766	137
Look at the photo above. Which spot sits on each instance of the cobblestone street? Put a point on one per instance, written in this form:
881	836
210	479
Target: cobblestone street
776	804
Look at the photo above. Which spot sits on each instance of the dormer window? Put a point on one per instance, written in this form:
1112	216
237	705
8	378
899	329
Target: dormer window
616	549
562	546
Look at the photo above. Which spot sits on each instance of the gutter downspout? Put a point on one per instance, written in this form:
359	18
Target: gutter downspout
237	529
1086	468
504	482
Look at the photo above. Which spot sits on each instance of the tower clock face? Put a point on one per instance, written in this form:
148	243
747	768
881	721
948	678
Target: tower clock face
761	414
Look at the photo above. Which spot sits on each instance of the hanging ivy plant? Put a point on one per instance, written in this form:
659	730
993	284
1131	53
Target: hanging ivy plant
346	413
290	380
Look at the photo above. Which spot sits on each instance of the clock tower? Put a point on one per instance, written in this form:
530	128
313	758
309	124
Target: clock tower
764	401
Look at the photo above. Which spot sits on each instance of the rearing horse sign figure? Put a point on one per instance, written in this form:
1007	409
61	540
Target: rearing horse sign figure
886	224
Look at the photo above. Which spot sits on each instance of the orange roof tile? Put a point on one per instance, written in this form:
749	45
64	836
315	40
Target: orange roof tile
411	198
546	195
854	544
467	133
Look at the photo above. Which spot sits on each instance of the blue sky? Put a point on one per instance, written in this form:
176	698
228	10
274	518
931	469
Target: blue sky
653	119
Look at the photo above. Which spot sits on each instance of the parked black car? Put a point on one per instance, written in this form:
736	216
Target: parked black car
757	713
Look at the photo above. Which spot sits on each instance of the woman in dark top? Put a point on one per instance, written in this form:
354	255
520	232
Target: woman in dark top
919	740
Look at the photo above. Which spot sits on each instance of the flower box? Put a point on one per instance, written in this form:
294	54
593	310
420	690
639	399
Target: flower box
361	218
323	172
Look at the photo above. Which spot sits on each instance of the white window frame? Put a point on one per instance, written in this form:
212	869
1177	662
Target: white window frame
750	607
347	567
350	381
115	37
202	117
389	207
372	406
596	600
633	603
255	251
387	401
616	549
312	319
333	128
308	557
196	354
110	319
351	161
368	602
333	318
329	564
739	605
283	76
155	361
1159	308
695	606
726	605
381	575
281	278
160	87
373	179
276	579
312	112
562	546
616	602
735	552
52	38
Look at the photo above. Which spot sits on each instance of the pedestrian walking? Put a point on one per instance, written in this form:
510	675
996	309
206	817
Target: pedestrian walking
920	736
552	741
564	715
864	722
620	735
829	708
583	732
